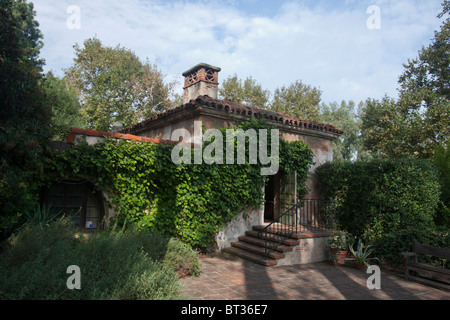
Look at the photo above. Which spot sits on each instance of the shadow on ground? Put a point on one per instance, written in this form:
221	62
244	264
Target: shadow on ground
226	277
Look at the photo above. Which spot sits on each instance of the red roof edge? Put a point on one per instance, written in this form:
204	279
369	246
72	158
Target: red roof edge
73	132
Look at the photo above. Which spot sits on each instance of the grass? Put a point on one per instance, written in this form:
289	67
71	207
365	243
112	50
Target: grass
114	264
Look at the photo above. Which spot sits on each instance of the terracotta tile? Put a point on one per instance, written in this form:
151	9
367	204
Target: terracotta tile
223	278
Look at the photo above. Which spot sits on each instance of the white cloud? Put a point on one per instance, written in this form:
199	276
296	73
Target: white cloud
323	44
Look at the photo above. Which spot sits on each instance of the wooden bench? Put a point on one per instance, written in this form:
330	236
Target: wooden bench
425	273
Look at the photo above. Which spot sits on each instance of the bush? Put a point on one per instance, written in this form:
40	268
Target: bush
441	159
387	203
125	264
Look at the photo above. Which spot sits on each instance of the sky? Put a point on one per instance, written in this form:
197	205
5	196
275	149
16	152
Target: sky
349	49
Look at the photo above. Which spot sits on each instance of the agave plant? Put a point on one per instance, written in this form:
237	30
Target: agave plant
42	216
362	253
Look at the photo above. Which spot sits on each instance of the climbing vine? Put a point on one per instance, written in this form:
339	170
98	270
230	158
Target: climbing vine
188	201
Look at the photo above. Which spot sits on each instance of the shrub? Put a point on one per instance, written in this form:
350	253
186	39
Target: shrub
124	264
387	203
441	159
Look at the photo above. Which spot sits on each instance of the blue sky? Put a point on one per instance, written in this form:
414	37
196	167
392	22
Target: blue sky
324	43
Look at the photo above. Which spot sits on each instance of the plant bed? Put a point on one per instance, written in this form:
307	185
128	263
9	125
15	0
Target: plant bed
338	242
338	256
360	265
123	264
360	256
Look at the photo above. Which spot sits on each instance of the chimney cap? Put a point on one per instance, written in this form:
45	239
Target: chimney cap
199	66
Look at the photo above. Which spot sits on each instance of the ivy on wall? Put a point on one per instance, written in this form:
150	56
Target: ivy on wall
188	201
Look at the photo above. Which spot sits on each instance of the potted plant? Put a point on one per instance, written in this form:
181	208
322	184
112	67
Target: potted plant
361	255
338	242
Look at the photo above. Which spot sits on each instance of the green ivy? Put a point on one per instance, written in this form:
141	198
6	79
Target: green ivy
187	201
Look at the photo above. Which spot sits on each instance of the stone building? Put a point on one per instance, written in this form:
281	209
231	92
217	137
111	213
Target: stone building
202	110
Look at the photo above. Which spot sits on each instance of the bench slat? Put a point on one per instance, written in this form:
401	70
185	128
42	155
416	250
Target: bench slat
435	274
431	272
431	251
428	267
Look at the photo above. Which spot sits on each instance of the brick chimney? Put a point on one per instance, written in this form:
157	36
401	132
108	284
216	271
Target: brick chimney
203	79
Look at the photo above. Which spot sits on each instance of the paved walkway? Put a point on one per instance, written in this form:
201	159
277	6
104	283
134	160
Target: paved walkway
226	277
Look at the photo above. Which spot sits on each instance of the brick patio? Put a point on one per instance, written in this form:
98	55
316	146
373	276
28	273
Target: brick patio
227	277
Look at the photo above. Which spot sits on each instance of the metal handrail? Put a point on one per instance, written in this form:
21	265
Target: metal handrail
281	231
304	215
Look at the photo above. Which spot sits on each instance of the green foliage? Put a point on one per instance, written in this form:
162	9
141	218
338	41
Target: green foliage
419	121
362	253
41	216
296	156
187	201
114	265
424	89
113	85
248	92
298	100
389	133
441	159
387	203
24	118
180	258
340	239
20	41
64	104
346	117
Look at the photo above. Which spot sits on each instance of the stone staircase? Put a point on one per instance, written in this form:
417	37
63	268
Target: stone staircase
251	246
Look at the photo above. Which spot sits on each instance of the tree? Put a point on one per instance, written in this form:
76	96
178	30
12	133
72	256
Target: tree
419	121
176	100
387	132
64	104
425	87
249	92
24	118
298	100
345	117
20	44
113	85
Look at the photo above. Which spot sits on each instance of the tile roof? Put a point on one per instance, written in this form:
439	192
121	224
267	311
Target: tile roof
231	107
73	132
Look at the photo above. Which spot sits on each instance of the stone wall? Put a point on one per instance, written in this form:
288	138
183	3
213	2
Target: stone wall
309	250
237	227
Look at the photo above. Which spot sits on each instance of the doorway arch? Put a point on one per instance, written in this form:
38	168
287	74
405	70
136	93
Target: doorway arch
78	199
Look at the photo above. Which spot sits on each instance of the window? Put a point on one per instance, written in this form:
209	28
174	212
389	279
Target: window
79	200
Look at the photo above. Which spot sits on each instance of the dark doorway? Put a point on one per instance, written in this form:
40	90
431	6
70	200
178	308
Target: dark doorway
79	200
272	198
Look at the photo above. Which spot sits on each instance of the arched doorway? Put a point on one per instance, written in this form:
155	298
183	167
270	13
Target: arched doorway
78	199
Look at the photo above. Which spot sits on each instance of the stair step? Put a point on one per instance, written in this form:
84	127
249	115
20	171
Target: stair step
262	243
296	236
251	256
251	246
257	249
274	238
